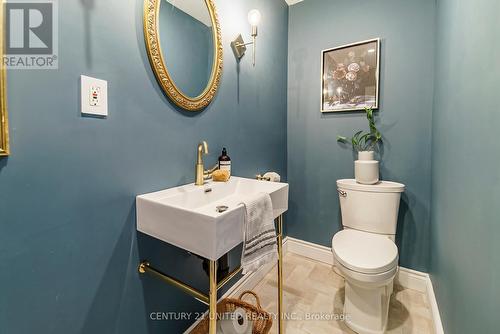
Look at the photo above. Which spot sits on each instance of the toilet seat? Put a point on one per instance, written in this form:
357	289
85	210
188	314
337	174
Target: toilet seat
367	280
364	253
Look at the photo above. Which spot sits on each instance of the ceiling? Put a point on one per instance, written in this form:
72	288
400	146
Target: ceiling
293	2
195	8
198	10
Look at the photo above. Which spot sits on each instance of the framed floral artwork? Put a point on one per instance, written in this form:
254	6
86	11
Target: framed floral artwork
350	77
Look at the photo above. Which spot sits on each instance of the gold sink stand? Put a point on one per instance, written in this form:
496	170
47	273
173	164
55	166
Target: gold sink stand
211	299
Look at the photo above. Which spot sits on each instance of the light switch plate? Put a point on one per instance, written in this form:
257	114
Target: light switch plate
94	96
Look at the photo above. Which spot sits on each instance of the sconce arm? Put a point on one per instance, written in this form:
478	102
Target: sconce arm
244	44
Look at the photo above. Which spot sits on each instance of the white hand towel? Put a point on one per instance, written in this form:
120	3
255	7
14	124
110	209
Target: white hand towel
259	235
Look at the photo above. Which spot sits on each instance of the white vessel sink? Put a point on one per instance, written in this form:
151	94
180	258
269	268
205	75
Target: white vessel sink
187	216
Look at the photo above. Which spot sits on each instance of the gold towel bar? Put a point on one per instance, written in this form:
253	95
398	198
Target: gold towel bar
228	278
198	295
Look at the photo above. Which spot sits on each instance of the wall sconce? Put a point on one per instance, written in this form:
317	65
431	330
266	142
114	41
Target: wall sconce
238	45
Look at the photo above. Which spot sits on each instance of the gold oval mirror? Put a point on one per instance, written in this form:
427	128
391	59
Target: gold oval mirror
183	42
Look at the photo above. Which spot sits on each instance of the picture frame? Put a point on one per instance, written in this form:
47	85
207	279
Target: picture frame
350	77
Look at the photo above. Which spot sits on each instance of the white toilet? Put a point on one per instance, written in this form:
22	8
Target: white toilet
364	252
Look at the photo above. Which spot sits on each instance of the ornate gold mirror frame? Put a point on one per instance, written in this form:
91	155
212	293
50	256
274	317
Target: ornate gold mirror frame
153	47
4	125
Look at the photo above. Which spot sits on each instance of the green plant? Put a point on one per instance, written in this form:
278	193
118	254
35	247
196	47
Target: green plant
364	141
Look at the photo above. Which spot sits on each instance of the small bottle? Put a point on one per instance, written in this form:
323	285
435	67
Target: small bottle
225	161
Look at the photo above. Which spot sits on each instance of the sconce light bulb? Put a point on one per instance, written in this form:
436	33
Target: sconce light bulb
254	17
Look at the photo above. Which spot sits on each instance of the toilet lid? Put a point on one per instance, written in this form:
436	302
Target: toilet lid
364	252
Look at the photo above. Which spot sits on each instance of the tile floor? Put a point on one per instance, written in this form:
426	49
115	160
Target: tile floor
313	288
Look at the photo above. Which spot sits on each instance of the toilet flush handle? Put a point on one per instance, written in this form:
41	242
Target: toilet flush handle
342	193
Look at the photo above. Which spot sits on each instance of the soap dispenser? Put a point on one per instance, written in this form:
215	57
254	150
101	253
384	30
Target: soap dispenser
225	161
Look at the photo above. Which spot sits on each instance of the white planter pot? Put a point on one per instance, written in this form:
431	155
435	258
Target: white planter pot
366	155
366	170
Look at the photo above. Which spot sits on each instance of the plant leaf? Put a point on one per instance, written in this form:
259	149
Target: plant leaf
364	140
357	134
342	139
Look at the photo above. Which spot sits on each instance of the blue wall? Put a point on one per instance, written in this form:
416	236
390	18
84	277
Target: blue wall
68	246
465	267
316	161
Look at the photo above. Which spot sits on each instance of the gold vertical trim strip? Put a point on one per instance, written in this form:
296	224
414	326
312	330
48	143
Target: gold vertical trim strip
4	121
212	314
281	328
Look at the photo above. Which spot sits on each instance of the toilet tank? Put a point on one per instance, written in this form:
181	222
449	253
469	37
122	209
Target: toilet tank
370	208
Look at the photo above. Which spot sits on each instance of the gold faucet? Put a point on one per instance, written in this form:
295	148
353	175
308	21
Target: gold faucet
202	174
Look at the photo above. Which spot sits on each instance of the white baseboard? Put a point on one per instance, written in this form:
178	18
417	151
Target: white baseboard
438	325
412	279
407	278
309	250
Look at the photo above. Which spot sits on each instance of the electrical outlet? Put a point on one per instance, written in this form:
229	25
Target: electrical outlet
94	96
